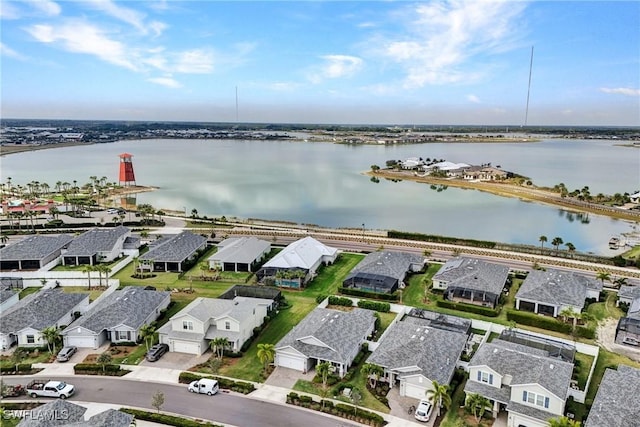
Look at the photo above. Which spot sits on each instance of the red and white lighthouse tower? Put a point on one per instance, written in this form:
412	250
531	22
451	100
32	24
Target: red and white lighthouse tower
127	177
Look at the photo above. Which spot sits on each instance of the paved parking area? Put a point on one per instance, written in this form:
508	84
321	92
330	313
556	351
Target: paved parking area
82	353
286	378
174	360
400	407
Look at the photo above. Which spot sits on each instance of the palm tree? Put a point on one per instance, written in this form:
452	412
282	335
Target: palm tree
373	372
603	275
570	247
557	241
478	405
543	239
218	345
570	313
439	396
88	268
620	281
266	353
563	422
51	336
323	369
4	239
147	332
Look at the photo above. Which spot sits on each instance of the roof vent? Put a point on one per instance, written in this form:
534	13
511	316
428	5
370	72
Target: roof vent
495	350
422	338
551	366
413	336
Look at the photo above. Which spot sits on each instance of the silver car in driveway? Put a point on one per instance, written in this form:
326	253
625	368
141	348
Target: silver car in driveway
66	353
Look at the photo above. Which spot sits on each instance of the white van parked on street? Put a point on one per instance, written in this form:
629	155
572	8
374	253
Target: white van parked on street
204	386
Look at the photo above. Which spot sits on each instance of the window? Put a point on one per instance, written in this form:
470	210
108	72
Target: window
227	325
31	339
535	399
187	325
122	335
485	377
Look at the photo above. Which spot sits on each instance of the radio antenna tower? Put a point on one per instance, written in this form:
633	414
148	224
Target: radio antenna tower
526	113
236	104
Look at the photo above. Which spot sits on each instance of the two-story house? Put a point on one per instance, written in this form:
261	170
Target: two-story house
205	319
525	382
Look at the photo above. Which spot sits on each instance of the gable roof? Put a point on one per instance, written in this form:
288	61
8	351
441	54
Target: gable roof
471	273
629	291
387	264
341	332
39	310
412	342
35	247
240	249
176	248
616	402
303	253
130	306
96	240
5	294
41	416
204	309
555	287
525	365
108	418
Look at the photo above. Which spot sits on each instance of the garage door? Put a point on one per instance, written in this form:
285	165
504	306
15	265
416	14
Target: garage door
413	390
186	347
81	341
291	362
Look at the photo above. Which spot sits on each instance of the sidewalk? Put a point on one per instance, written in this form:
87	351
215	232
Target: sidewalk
263	392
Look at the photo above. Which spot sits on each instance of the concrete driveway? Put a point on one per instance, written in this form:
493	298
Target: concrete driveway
286	378
172	360
82	353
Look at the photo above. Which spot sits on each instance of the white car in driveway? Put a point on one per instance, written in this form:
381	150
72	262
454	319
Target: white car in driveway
424	410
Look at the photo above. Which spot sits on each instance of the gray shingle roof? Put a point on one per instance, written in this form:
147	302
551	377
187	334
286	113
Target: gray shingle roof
35	247
412	342
471	273
42	415
240	250
385	263
555	287
176	248
340	331
96	240
530	411
525	366
617	401
629	291
39	310
5	294
108	418
129	306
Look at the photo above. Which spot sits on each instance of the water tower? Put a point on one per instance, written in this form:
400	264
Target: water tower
127	177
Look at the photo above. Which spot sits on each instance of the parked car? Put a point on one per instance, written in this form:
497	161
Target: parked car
65	354
112	211
204	386
156	352
47	388
423	413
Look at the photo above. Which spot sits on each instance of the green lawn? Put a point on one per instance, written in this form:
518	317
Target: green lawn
414	293
330	277
606	359
28	291
582	373
602	310
385	321
93	293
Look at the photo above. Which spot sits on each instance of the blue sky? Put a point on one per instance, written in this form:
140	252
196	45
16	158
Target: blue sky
382	62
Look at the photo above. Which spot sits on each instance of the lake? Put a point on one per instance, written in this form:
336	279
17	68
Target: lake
322	183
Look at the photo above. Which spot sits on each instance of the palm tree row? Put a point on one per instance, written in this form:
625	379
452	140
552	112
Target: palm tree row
557	241
100	269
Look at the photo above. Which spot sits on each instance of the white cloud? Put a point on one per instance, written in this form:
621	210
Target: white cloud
473	98
9	11
168	81
81	37
627	91
442	37
7	51
128	15
196	61
47	7
336	66
283	86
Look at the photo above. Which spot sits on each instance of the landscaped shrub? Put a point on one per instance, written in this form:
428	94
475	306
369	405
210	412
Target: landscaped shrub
538	321
383	307
166	419
470	308
346	302
321	298
23	368
368	294
97	369
585	332
394	234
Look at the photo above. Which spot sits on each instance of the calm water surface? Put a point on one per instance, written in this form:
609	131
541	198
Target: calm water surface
322	183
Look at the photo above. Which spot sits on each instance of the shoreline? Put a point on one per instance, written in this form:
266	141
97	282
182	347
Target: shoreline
528	194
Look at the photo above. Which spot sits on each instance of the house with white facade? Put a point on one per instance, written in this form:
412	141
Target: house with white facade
23	322
96	245
34	252
205	319
526	382
239	254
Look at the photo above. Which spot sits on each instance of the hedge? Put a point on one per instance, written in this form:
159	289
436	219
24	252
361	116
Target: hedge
368	294
224	383
394	234
22	368
530	319
339	409
383	307
97	369
585	332
470	308
347	302
166	419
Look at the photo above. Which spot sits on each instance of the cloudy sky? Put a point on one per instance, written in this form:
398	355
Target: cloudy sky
381	62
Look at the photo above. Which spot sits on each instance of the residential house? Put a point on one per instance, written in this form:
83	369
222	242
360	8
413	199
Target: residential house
325	335
252	291
173	253
616	402
96	245
550	292
33	252
472	281
485	173
117	317
383	271
452	170
628	329
24	321
414	353
526	382
62	413
193	328
239	254
304	256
